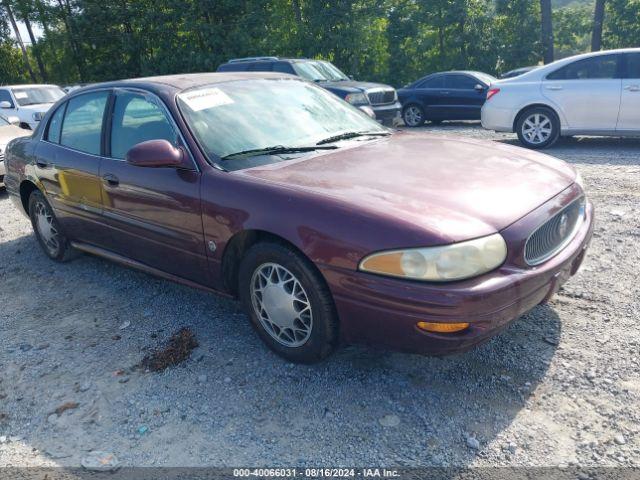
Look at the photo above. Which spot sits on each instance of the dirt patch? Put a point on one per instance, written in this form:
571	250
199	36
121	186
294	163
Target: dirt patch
178	349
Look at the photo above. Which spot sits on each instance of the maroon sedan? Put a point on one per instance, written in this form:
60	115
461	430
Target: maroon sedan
327	226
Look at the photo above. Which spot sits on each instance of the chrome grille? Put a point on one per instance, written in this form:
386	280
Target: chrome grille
1	156
555	233
381	97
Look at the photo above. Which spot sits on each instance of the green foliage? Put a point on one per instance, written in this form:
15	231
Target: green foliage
393	41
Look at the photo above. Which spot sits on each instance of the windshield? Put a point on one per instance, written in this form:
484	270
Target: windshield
34	95
487	79
319	70
242	115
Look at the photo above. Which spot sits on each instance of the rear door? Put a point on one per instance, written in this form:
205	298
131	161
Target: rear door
68	163
629	118
587	92
429	93
153	214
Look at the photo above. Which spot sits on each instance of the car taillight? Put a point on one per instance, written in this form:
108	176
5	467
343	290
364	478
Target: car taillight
492	92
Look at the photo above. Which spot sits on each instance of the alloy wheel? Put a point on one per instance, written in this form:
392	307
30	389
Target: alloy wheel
413	116
281	304
537	128
46	228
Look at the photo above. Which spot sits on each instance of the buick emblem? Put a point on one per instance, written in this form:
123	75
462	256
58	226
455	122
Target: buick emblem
563	225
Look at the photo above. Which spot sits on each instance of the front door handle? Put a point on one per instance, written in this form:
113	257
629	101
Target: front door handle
43	164
554	87
444	92
111	180
632	88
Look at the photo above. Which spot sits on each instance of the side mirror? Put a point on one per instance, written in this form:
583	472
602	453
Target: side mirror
5	104
13	120
155	153
478	88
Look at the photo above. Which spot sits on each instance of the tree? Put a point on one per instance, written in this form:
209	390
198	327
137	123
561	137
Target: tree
546	30
25	55
598	20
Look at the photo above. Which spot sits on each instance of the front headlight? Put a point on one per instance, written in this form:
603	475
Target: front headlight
447	263
357	99
38	116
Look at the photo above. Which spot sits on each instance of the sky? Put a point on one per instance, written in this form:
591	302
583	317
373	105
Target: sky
37	31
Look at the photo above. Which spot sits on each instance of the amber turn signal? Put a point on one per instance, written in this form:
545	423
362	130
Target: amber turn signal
442	327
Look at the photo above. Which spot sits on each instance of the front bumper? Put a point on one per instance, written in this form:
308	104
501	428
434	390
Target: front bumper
388	114
3	170
384	311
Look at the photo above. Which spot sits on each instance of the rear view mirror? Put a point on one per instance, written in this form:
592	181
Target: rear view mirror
156	153
478	88
5	104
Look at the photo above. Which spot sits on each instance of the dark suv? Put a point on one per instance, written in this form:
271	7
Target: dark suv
378	100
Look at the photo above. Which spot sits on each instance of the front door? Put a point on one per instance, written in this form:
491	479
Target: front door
629	118
464	99
587	93
68	164
153	215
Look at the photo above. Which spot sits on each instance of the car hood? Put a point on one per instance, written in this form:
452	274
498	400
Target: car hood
36	107
353	86
9	132
456	189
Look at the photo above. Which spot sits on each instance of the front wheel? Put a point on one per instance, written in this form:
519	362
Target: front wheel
413	115
538	128
47	229
288	303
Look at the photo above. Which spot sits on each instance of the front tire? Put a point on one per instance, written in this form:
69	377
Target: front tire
538	128
47	229
413	115
288	303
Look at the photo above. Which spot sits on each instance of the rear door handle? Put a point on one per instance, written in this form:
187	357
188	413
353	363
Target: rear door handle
632	88
444	92
111	180
43	164
554	87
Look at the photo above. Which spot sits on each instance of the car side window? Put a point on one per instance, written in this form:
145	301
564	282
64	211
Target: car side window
283	67
435	82
5	96
82	125
55	125
633	65
600	67
461	82
260	67
137	119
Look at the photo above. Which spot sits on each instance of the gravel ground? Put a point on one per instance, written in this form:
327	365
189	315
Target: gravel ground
561	386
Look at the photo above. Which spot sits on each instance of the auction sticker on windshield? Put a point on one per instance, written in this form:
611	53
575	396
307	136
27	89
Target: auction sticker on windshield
205	98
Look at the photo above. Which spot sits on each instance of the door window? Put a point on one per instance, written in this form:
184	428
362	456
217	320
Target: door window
283	67
460	82
55	125
633	65
82	126
5	96
435	82
600	67
137	119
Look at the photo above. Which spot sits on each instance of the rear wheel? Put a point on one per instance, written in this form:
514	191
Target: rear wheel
288	303
538	127
413	115
47	229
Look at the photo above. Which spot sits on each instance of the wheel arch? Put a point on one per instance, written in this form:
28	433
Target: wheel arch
523	110
237	247
26	188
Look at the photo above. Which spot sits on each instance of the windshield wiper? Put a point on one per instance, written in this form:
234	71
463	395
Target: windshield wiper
276	150
347	135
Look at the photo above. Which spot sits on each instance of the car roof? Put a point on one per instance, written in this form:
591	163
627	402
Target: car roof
185	81
29	85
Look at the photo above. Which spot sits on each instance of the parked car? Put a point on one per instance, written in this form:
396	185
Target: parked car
28	102
591	94
456	95
377	100
327	226
516	72
8	131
